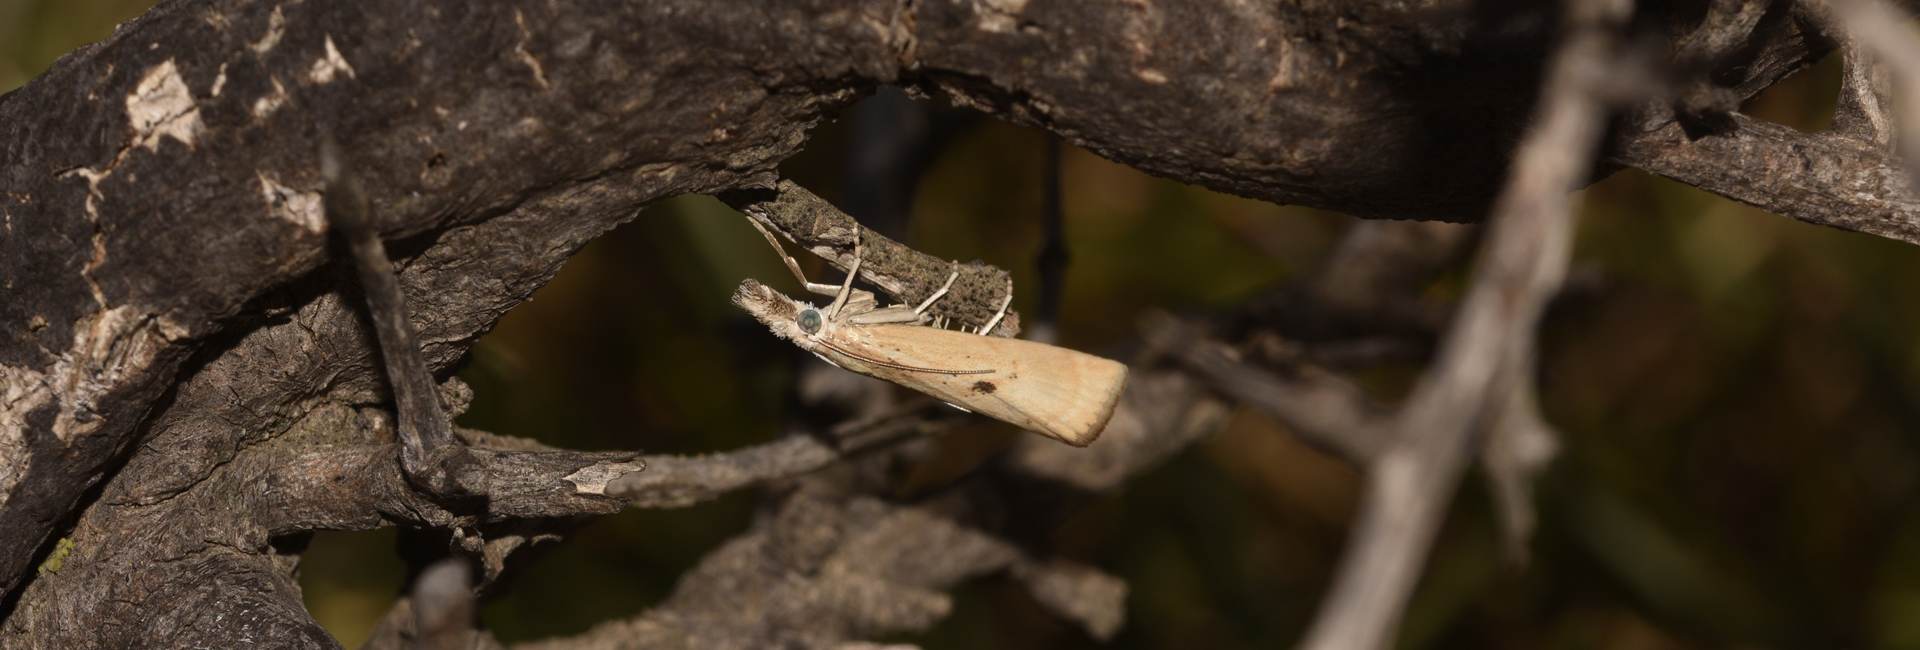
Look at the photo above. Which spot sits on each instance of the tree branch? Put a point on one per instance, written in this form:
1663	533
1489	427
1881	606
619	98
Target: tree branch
678	481
1325	411
172	204
169	313
1826	178
908	275
832	565
1878	32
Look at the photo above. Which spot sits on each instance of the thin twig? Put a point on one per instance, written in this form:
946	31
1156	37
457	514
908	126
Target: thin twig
1373	282
1051	265
677	481
1410	486
1842	182
1881	32
1519	446
359	487
888	140
1864	110
909	276
428	450
892	139
1701	103
443	607
1322	409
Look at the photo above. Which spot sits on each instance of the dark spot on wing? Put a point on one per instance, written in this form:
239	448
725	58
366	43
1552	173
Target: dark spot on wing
984	387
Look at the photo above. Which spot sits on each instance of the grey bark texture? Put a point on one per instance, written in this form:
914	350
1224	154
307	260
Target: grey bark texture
188	384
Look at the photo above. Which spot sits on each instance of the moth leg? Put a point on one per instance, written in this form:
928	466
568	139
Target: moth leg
852	272
792	264
859	303
1004	304
894	314
937	294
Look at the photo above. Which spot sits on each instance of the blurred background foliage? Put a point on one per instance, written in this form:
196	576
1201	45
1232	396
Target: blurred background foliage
1739	395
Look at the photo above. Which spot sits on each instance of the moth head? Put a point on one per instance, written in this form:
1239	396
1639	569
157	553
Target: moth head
778	312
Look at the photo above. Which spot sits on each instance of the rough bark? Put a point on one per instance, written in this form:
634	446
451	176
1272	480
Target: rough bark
174	327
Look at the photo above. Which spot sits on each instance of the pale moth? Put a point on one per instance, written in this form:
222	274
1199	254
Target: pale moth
1045	389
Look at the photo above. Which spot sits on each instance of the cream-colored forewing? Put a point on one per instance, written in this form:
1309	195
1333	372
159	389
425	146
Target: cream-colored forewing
1042	388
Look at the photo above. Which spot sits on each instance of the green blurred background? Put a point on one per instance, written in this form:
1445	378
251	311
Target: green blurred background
1739	395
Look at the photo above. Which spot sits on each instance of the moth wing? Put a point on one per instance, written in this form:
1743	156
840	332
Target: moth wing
1042	388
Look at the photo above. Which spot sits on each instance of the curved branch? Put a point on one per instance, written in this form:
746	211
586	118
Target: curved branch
158	189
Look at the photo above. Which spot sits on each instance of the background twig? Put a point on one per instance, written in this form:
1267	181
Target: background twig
1481	358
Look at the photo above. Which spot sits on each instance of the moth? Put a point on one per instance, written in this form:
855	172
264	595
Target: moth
1050	390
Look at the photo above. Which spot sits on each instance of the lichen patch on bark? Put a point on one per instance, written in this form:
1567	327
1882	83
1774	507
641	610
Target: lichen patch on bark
1000	16
267	104
160	106
21	391
219	81
276	27
109	347
299	208
329	64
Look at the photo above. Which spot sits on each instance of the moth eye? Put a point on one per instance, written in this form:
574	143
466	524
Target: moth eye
809	321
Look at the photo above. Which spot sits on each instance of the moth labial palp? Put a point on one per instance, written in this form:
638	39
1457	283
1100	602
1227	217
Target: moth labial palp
1054	391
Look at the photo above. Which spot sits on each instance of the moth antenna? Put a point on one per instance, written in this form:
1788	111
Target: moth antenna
1003	309
896	366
